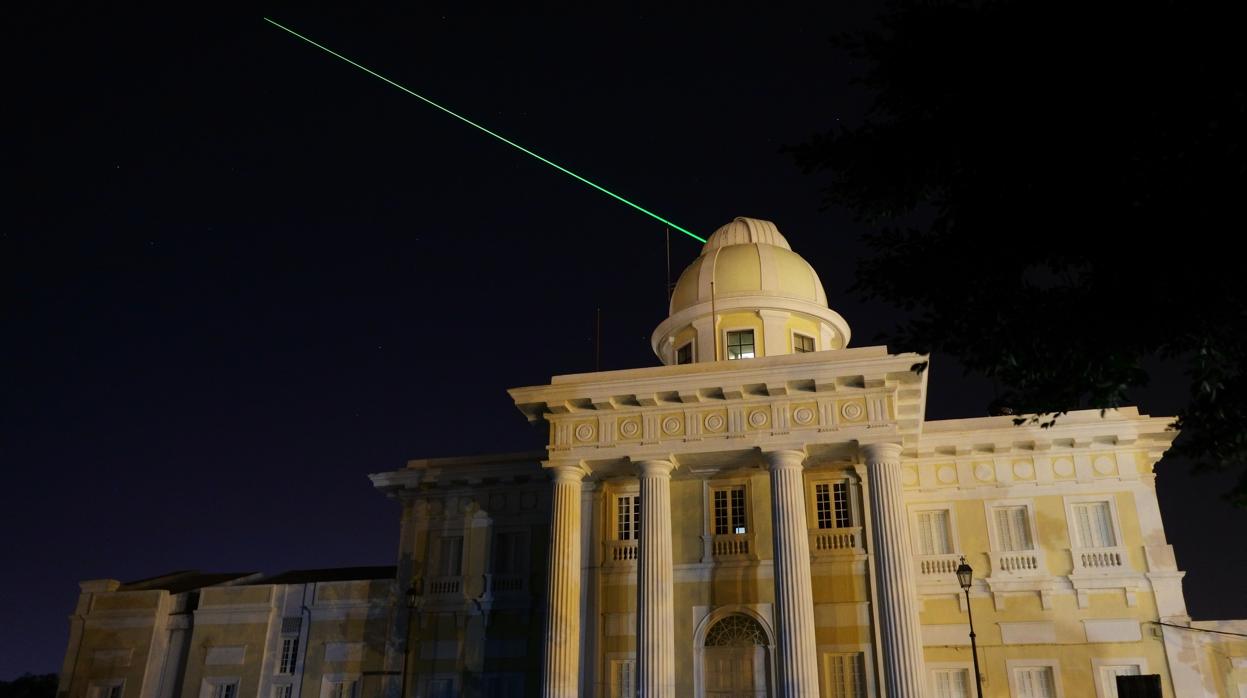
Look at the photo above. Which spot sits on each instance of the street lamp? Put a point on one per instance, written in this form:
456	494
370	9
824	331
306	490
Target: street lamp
965	575
414	594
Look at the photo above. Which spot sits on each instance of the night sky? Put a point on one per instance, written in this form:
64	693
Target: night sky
239	275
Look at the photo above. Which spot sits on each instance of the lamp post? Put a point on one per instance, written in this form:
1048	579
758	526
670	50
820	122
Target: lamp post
413	604
965	575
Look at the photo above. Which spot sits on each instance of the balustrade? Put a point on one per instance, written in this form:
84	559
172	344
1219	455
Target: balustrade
828	541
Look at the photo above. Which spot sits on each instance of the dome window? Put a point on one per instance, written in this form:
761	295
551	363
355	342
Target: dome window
801	344
740	344
684	355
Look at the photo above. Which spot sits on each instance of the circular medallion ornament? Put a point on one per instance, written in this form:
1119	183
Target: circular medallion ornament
947	474
629	428
670	425
851	410
584	432
803	415
1105	465
1023	470
1063	467
909	476
714	422
983	472
757	418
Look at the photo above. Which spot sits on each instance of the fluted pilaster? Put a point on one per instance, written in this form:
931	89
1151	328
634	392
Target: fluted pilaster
904	671
655	613
560	669
794	598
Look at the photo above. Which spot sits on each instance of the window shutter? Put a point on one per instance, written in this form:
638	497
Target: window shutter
926	543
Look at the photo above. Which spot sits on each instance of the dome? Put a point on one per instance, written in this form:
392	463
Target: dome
747	275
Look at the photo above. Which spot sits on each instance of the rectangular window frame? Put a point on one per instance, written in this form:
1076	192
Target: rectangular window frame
621	676
444	567
813	343
735	516
1099	664
629	530
350	682
990	507
814	508
861	684
107	688
1074	538
708	524
691	346
213	686
287	654
915	528
1013	666
727	349
935	668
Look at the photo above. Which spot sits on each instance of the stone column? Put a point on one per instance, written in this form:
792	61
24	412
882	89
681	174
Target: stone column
655	612
794	598
560	668
904	673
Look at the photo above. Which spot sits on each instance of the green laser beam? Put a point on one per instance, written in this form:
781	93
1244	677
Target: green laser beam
509	142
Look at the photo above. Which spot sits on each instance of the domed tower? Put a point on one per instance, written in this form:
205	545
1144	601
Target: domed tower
751	290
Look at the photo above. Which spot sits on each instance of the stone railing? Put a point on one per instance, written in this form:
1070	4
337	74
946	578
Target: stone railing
619	552
831	541
1099	560
932	568
1019	563
732	545
506	583
446	585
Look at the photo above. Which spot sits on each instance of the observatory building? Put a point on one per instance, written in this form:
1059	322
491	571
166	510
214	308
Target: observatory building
767	513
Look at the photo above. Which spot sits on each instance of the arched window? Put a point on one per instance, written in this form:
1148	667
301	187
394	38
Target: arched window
736	631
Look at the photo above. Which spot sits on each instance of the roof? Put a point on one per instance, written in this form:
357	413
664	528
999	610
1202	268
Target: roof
332	574
189	580
186	580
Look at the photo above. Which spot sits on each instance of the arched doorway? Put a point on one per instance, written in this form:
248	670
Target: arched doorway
735	661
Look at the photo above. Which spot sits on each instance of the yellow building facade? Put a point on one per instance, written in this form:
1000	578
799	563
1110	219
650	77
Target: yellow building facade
766	514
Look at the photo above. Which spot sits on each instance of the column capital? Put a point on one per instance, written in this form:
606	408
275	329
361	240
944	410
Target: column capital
784	458
881	452
654	466
567	473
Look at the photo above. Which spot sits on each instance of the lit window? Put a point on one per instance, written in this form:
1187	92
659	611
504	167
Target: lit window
289	651
1093	525
684	355
451	558
1013	530
951	683
1035	682
628	517
802	344
1109	674
831	505
740	344
729	511
934	536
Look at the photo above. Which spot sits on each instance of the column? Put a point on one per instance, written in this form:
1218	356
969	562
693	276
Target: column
655	611
560	667
794	598
904	673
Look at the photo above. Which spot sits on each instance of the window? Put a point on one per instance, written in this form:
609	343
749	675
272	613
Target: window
623	678
509	552
1109	674
441	688
283	691
341	689
951	683
740	344
729	510
451	558
684	355
226	690
1034	682
289	654
934	533
1092	523
106	689
1013	530
831	505
802	344
845	675
628	517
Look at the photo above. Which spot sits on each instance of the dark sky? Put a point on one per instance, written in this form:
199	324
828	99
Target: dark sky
239	275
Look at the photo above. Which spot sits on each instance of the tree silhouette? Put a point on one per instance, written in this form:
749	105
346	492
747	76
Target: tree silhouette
1055	192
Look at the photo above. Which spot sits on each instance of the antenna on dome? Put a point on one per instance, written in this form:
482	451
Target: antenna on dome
475	125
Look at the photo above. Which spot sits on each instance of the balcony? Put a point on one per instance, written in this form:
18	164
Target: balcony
937	568
506	583
442	586
1017	563
830	542
732	546
620	552
1100	561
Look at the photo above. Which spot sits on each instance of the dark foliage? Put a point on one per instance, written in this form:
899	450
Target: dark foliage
29	686
1056	192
